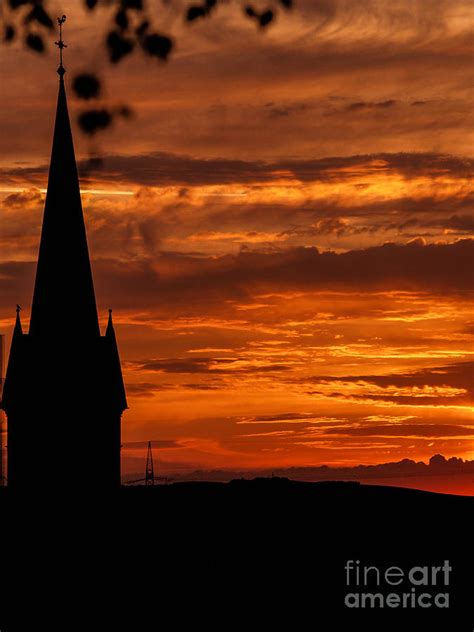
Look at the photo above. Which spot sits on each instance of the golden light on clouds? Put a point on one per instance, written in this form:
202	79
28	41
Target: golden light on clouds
284	230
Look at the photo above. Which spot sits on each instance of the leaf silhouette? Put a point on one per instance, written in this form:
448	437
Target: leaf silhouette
118	46
35	42
92	121
38	14
86	86
9	33
157	45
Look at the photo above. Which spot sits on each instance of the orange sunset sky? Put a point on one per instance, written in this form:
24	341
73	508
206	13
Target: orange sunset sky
283	228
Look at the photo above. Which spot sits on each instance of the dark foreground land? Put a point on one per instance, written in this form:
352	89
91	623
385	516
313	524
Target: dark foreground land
253	555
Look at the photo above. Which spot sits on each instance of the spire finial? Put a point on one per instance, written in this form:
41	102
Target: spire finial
18	309
60	44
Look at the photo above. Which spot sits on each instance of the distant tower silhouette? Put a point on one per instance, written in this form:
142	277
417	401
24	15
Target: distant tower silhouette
64	394
149	472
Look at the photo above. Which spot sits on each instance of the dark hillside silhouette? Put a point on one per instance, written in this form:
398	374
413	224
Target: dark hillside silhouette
267	551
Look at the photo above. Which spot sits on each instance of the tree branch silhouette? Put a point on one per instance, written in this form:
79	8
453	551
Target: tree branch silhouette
132	27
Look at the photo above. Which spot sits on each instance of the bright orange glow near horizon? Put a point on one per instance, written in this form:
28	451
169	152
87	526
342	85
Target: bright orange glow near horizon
284	230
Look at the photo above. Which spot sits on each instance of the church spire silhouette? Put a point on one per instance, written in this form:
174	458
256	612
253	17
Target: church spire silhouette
64	393
64	271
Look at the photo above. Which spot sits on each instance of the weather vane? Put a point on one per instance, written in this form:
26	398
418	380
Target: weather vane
60	44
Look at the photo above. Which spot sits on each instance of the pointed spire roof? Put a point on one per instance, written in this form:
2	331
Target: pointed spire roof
114	371
110	331
18	330
12	389
64	299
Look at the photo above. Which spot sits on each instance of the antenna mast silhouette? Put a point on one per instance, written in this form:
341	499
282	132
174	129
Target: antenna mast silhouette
149	472
150	477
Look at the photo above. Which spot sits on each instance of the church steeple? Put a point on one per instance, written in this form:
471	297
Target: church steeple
64	393
63	297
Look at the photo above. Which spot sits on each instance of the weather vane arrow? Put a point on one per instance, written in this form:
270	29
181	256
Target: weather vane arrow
60	44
